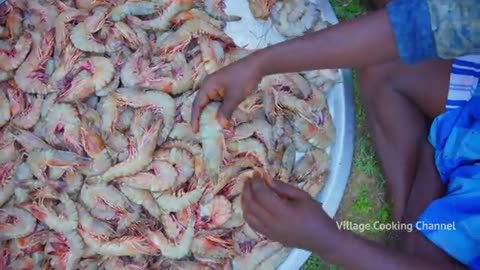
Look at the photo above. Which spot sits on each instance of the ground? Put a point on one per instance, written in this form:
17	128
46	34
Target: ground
364	199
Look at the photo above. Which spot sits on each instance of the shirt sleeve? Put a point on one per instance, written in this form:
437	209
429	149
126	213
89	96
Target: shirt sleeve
425	29
455	26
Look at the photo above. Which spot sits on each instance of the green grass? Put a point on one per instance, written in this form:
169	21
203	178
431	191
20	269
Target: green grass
348	9
363	203
367	207
365	158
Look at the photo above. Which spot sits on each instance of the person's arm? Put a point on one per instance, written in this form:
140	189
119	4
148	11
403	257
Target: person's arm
290	216
365	41
360	42
412	30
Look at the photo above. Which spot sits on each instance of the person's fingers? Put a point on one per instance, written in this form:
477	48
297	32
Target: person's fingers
226	110
250	215
289	191
252	207
199	103
267	198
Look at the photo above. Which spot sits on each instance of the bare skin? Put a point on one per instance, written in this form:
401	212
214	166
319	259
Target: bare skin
400	101
235	82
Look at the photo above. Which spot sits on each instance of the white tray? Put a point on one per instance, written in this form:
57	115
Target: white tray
254	34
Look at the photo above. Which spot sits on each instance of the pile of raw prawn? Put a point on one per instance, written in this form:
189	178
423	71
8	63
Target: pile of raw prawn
99	166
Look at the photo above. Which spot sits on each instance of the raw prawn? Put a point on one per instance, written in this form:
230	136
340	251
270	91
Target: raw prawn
172	203
195	150
8	151
61	30
105	202
119	12
4	109
175	77
11	59
143	198
13	25
40	159
82	34
134	66
95	148
319	136
164	179
211	246
197	14
181	160
31	114
84	85
168	12
158	101
213	54
15	222
128	34
261	9
65	250
294	18
216	9
6	75
287	163
233	168
213	141
65	221
63	118
250	146
28	140
123	246
142	155
7	181
261	252
179	40
258	128
248	109
183	132
236	220
64	66
89	4
215	212
170	250
16	97
31	76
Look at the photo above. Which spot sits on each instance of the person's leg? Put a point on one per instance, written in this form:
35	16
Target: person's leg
426	187
396	98
380	3
400	102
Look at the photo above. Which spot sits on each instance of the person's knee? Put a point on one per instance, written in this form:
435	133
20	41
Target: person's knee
371	80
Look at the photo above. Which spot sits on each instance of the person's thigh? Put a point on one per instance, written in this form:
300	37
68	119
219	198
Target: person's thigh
422	90
425	85
400	101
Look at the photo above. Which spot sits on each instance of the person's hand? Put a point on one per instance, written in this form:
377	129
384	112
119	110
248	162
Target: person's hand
288	215
5	8
231	84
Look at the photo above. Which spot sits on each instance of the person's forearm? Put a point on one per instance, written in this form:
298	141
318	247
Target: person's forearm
352	252
360	42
